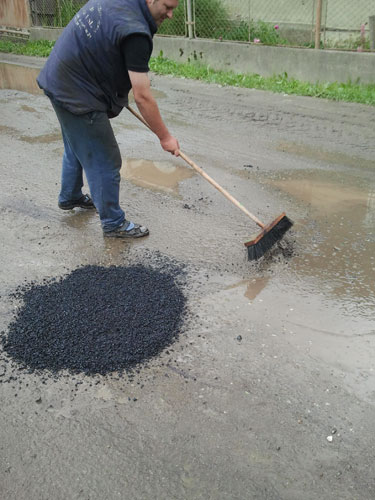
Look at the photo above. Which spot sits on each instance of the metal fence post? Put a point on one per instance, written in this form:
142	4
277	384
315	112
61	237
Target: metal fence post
318	24
189	18
371	24
58	8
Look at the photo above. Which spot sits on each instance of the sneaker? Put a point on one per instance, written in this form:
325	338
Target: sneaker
127	230
84	202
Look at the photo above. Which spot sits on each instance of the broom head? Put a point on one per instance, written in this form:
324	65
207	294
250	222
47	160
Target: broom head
270	235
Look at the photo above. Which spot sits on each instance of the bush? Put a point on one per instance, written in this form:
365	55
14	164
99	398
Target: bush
266	33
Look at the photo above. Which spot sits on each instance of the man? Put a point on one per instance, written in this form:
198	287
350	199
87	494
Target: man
103	53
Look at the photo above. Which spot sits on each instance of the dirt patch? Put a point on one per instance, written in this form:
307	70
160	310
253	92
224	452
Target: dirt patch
7	130
28	109
41	139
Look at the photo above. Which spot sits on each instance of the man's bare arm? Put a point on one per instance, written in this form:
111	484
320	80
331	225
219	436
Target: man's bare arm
150	111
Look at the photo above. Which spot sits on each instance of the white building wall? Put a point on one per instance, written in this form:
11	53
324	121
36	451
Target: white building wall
337	14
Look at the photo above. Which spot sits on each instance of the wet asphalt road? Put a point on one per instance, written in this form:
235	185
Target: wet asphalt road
275	357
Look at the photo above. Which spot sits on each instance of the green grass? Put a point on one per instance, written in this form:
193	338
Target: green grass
349	92
40	48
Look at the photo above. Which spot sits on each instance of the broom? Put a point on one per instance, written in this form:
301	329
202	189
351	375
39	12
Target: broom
270	234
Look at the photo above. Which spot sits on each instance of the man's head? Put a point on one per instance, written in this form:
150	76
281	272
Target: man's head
161	9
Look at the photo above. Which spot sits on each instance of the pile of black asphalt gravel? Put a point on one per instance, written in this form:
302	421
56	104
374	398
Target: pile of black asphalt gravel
97	320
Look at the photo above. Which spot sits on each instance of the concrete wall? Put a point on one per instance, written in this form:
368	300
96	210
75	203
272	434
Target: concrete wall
304	64
287	11
20	72
18	77
51	34
14	13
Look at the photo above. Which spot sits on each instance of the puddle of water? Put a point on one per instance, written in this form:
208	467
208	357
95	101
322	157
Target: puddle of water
326	156
20	78
159	176
80	218
253	287
41	139
37	139
338	238
325	197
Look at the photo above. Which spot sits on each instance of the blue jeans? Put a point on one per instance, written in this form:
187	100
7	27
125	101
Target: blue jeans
90	146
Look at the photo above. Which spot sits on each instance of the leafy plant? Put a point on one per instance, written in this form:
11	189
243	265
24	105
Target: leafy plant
266	33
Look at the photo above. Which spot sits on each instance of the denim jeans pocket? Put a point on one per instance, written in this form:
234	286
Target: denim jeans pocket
92	116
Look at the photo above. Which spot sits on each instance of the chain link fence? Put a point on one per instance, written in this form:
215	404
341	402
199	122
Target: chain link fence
344	23
54	13
256	21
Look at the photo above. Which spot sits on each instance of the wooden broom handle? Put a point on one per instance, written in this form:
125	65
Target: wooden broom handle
207	177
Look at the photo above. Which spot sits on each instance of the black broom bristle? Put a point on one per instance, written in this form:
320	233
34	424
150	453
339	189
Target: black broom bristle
266	242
